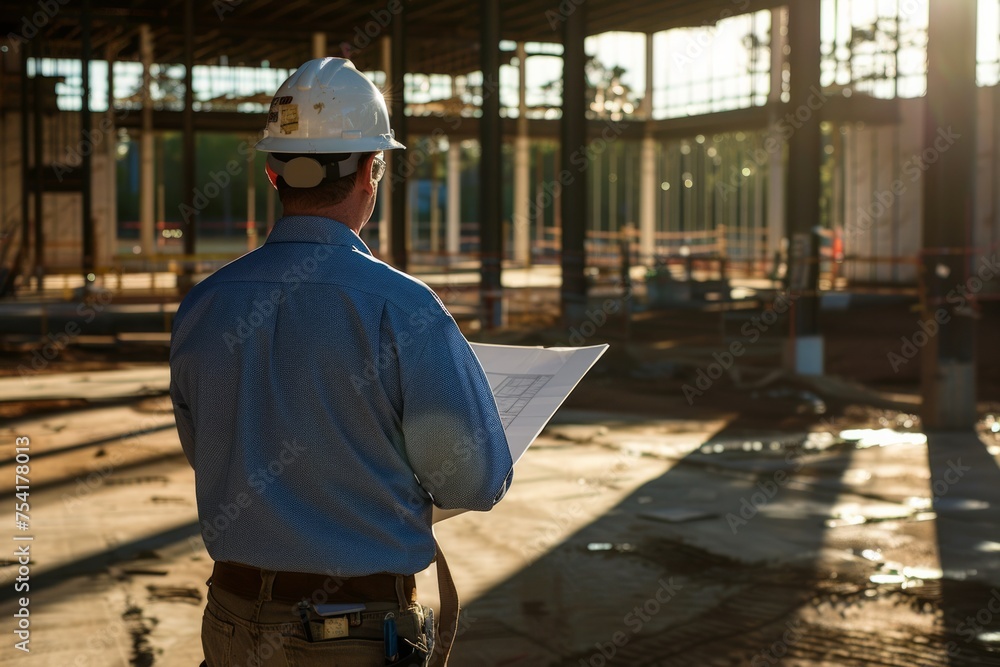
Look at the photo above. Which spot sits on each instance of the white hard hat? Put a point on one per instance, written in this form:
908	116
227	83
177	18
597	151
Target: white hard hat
327	106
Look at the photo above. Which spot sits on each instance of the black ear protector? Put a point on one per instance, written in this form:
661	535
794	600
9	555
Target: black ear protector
304	171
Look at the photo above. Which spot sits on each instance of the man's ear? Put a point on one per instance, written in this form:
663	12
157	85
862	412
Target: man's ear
365	173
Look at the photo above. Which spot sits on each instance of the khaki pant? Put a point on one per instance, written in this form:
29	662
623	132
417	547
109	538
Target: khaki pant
238	632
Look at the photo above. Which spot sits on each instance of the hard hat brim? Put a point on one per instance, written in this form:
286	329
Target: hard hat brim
288	145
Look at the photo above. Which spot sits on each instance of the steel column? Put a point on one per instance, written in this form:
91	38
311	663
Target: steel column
453	219
400	235
522	168
38	126
147	186
649	181
950	131
573	198
776	192
23	255
190	164
803	192
87	140
490	229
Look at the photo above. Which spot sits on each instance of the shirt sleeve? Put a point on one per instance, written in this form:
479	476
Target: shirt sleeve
452	431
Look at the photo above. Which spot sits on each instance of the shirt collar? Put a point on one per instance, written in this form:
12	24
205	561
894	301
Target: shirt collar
315	229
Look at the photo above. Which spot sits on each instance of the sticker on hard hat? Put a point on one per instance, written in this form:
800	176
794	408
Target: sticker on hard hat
272	115
288	115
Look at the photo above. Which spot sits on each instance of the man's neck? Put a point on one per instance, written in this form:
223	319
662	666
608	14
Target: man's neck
334	214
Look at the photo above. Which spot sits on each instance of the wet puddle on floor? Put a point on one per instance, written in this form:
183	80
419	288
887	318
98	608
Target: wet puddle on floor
622	547
855	514
863	438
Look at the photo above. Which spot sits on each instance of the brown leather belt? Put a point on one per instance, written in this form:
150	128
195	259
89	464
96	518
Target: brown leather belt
245	581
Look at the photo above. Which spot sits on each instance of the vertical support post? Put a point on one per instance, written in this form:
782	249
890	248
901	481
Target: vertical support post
110	245
412	209
38	129
948	385
86	166
161	186
453	222
647	200
776	158
522	168
147	224
385	187
190	233
490	230
435	206
804	185
24	255
648	180
573	198
397	72
319	45
185	281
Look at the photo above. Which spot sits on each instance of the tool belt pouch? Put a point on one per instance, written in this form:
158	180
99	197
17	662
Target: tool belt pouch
416	658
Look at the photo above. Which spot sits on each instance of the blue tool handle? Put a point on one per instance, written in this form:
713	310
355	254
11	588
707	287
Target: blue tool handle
389	637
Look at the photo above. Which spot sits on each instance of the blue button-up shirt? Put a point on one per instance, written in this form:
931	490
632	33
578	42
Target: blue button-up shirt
325	400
